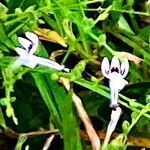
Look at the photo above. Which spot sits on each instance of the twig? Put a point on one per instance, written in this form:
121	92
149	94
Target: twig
48	142
12	134
36	133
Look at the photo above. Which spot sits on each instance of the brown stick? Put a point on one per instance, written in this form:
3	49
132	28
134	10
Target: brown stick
48	142
12	134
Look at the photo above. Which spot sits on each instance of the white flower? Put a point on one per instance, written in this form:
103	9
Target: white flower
115	115
26	57
115	72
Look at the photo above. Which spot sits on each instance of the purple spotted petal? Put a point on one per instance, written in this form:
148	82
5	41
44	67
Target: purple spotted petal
124	68
25	43
105	67
115	65
34	39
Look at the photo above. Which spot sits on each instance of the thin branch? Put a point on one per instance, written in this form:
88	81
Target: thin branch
12	134
48	142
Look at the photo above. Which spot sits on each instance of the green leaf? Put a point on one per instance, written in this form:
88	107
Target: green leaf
70	129
4	38
3	48
44	3
125	126
116	5
118	143
92	86
10	113
3	11
78	69
148	98
144	33
124	25
47	96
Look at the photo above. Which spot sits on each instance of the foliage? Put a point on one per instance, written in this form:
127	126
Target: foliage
78	34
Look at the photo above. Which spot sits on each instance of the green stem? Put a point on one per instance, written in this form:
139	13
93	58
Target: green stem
133	109
102	90
81	8
103	43
109	49
134	38
82	52
57	17
135	120
18	19
118	10
7	85
66	56
16	29
134	23
125	98
130	43
96	88
87	84
50	22
127	11
132	12
83	38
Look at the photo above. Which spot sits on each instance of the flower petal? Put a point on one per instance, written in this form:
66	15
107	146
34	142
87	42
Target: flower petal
48	63
28	45
29	63
115	65
105	67
115	115
114	97
22	52
124	68
34	39
117	83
